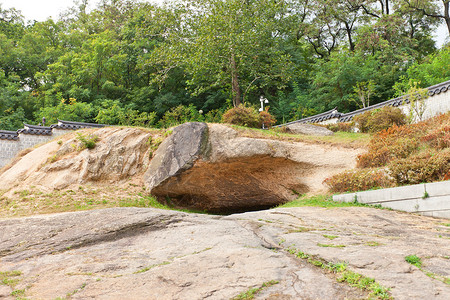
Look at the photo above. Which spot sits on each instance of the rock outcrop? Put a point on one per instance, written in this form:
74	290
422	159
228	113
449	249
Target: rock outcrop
120	153
132	253
199	166
308	129
209	167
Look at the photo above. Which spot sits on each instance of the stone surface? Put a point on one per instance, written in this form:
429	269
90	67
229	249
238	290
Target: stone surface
132	253
308	129
198	166
212	168
119	154
177	153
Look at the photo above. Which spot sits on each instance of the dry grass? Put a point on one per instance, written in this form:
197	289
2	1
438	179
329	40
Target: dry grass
33	201
342	139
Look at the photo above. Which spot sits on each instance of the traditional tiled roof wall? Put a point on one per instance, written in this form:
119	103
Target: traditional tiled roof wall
433	91
68	125
11	142
9	135
36	130
331	114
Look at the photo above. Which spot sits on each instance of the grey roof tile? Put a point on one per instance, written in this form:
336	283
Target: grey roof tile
8	135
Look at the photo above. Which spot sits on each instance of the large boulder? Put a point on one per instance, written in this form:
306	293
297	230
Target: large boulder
308	129
212	168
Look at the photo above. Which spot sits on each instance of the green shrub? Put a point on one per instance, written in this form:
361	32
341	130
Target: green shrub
214	116
426	166
179	115
67	110
359	180
87	141
242	115
379	119
342	126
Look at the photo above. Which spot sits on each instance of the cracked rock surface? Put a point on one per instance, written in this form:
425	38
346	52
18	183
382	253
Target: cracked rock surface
137	253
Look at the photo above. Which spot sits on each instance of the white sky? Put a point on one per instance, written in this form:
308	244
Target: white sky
40	10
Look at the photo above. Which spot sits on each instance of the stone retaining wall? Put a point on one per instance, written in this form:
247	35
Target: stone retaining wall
429	199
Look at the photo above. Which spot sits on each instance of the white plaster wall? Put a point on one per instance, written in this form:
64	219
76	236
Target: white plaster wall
330	121
435	105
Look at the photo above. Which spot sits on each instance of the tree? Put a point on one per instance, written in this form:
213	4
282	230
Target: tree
236	44
431	9
363	91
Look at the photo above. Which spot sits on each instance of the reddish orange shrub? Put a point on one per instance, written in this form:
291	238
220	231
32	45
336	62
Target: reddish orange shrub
242	115
410	153
438	138
266	118
359	180
422	167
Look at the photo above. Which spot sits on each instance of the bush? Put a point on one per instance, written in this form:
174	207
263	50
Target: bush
344	126
242	115
266	118
87	141
114	114
379	119
67	110
359	180
422	167
438	138
410	154
179	115
214	116
392	143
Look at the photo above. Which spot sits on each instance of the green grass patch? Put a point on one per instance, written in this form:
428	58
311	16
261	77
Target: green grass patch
373	244
320	201
10	278
250	294
150	201
151	267
330	245
414	260
18	293
330	237
344	275
417	261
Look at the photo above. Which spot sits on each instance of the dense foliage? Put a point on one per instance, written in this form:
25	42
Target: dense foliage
134	63
379	119
407	154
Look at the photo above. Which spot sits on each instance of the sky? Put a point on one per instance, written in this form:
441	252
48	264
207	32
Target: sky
40	10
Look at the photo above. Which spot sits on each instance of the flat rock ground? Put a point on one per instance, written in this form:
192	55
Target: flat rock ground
140	253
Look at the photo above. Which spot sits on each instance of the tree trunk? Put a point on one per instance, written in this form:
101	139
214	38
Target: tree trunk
447	14
235	82
348	29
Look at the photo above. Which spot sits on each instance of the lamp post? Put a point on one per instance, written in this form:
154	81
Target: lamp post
262	100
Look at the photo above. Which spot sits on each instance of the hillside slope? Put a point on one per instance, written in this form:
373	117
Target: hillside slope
62	175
